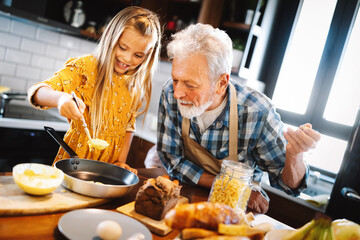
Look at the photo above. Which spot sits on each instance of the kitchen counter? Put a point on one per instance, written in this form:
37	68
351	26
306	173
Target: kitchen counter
301	200
19	114
33	124
296	211
45	226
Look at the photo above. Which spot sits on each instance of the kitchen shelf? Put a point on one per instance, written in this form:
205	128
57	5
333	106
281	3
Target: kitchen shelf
23	15
237	25
93	36
20	15
51	15
184	11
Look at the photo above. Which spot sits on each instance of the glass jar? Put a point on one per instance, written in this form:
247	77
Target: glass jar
233	185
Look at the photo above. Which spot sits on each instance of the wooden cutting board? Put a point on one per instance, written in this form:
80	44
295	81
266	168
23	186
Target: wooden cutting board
157	227
14	201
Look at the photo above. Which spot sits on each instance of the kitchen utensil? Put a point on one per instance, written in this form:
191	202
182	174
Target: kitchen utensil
82	223
96	143
74	13
91	177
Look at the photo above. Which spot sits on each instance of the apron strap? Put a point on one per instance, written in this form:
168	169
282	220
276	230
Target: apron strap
233	125
185	127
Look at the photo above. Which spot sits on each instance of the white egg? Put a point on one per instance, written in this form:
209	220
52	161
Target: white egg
109	230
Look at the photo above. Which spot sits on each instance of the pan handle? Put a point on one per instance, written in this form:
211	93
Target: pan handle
60	141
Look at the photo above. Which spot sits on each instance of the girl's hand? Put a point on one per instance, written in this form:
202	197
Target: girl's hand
127	167
68	108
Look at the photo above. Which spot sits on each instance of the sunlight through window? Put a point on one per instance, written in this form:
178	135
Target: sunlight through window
344	99
303	54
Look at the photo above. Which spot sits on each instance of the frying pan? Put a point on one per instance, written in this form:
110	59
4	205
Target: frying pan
90	177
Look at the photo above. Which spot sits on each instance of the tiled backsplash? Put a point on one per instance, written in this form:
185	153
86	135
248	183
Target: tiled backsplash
31	53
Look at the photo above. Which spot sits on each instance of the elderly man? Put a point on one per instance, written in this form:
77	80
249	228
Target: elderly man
205	117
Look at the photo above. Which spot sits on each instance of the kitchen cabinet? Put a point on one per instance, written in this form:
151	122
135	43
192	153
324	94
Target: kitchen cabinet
174	15
243	20
237	17
289	211
22	135
228	15
137	152
51	13
233	16
19	145
258	39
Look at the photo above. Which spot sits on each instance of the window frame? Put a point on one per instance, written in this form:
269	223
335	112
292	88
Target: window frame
285	15
341	25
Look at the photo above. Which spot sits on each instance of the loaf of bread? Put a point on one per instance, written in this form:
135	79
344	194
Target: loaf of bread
156	197
205	215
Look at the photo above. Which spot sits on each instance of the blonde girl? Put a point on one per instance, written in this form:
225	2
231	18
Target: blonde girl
113	87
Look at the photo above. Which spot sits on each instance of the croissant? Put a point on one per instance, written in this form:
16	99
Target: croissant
201	215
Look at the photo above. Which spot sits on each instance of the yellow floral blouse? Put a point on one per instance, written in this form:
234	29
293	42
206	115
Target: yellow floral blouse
79	75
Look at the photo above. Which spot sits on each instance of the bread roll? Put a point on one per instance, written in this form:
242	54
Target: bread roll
196	233
201	215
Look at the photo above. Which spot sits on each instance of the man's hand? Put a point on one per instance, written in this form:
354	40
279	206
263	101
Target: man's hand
301	140
257	202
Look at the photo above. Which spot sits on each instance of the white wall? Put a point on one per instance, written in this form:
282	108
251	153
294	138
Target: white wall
31	53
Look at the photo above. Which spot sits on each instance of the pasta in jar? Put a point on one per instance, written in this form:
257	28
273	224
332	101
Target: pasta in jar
233	185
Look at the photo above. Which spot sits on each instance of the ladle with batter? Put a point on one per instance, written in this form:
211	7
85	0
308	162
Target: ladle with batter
95	143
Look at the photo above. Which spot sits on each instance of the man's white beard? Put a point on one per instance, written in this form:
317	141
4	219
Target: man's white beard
193	111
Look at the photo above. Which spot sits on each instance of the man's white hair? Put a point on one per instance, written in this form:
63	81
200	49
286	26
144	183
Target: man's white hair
214	44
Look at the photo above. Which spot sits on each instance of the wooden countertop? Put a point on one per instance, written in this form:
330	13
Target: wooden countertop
45	226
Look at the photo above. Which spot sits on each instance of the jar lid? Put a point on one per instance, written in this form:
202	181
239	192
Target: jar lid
236	169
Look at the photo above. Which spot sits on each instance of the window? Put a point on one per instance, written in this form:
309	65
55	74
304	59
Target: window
303	55
344	98
319	80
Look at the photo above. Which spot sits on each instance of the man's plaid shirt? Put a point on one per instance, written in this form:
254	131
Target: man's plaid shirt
261	143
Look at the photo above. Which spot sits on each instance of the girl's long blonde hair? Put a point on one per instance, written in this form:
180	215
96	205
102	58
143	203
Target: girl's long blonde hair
139	80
